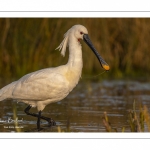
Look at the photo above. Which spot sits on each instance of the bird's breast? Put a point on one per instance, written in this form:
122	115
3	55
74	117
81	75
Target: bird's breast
73	78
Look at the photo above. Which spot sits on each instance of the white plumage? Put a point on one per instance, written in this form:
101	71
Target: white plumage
46	86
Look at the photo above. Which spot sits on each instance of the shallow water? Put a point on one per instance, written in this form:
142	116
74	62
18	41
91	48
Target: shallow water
83	109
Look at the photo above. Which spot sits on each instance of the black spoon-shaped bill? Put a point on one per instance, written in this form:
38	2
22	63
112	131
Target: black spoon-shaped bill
101	60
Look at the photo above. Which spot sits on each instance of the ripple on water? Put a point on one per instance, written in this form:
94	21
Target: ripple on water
83	109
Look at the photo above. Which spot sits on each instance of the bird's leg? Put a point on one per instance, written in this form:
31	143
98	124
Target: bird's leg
49	120
28	113
38	121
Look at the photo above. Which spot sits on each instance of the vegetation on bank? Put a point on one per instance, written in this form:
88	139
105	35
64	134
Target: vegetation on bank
27	45
138	120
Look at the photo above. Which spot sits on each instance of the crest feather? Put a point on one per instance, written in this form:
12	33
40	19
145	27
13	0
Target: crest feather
63	45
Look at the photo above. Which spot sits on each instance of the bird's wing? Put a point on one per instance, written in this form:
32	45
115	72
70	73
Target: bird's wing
41	85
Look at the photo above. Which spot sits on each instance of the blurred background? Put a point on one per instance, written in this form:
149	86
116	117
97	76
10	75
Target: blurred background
27	45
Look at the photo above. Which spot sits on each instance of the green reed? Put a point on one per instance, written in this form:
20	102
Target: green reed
137	120
27	45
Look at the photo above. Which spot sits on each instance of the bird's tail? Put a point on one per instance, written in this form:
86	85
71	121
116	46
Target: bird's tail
6	92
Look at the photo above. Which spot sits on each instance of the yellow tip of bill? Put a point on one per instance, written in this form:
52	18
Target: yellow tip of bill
106	67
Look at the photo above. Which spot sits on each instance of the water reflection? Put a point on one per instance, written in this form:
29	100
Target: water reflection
83	109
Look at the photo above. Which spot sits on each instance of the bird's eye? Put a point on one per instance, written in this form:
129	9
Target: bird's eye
81	33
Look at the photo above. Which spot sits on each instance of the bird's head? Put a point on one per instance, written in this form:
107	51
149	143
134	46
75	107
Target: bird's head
78	31
81	33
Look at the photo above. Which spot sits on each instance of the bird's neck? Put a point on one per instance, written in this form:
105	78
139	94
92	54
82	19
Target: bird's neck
75	56
74	64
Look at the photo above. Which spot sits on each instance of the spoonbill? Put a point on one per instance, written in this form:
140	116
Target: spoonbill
42	87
